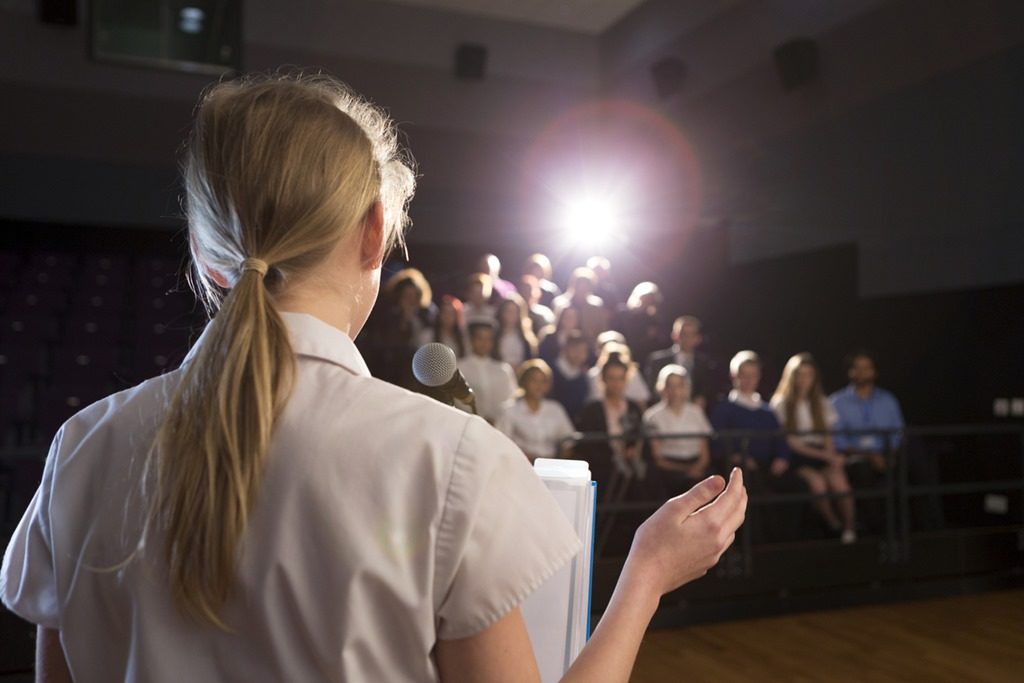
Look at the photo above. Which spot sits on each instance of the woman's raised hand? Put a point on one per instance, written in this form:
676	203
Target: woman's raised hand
687	535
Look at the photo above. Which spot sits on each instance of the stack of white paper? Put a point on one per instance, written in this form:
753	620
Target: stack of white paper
558	614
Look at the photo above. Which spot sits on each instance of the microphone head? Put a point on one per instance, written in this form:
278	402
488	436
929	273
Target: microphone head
434	364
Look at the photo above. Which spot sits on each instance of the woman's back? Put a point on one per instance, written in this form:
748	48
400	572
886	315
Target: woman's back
384	522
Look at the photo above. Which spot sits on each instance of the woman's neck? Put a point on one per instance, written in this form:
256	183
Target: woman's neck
533	402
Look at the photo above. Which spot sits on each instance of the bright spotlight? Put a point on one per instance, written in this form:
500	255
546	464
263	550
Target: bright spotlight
590	219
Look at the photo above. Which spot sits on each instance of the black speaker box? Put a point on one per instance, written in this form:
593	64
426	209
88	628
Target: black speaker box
797	62
63	12
470	61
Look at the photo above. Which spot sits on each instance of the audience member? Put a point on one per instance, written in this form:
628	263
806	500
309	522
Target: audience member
538	425
801	406
594	317
861	407
566	322
477	306
636	389
449	326
685	351
492	381
515	342
619	418
500	289
765	459
539	266
604	285
643	322
407	310
570	383
540	315
681	461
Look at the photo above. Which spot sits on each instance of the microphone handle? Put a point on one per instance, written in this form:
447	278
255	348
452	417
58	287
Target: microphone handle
458	388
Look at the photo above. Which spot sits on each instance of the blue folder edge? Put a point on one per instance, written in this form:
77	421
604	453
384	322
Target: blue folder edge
593	527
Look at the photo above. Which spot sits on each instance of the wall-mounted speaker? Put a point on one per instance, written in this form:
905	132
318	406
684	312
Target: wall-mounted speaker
669	75
470	61
797	62
62	12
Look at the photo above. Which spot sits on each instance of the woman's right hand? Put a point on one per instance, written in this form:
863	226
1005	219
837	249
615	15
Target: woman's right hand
687	535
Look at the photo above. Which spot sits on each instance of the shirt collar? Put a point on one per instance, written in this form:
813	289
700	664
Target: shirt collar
752	401
313	338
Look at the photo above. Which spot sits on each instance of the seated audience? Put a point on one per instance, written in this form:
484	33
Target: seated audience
801	406
477	306
643	322
490	266
539	426
492	381
594	317
553	338
681	461
449	326
539	266
570	383
636	388
619	418
514	342
540	315
685	351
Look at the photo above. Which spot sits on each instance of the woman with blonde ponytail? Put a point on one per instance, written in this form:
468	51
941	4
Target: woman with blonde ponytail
270	512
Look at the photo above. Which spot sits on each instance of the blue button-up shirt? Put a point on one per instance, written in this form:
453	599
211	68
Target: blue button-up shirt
880	410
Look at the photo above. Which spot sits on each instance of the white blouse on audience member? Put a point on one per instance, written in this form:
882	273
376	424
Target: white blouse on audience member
492	382
636	388
512	348
385	521
804	419
660	419
539	433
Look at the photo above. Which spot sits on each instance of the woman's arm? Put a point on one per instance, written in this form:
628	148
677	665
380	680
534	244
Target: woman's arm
676	545
51	666
798	446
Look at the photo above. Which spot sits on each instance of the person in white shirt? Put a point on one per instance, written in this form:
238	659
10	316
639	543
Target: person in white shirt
269	511
685	460
477	306
535	423
802	407
514	341
493	381
636	388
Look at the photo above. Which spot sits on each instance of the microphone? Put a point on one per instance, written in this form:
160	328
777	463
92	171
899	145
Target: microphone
434	366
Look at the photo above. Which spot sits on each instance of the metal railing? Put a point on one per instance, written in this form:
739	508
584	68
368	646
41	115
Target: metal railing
895	488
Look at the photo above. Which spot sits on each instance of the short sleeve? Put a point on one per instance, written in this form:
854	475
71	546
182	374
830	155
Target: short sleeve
564	427
831	416
28	583
501	535
702	419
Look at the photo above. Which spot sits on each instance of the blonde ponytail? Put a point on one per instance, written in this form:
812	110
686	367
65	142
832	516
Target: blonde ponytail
278	170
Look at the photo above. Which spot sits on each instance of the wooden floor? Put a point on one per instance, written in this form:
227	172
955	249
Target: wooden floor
971	638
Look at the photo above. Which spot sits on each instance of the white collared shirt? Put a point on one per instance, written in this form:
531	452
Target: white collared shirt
538	433
492	382
661	419
751	401
385	521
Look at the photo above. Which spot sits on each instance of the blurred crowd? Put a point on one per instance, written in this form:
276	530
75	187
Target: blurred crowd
594	373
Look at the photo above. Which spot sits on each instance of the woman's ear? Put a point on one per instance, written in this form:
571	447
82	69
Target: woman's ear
372	245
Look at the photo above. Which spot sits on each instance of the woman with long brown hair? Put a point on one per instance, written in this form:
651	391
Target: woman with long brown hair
268	511
803	409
